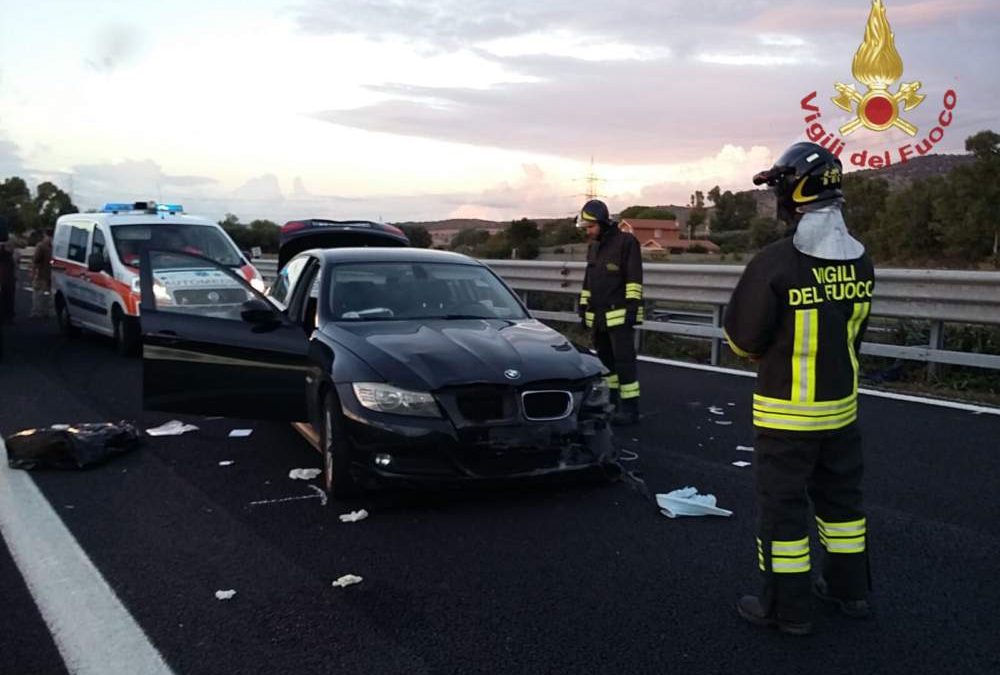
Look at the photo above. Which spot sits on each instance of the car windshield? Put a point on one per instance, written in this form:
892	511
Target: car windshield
203	240
398	291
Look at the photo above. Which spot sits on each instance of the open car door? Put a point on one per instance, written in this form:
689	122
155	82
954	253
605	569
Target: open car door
212	345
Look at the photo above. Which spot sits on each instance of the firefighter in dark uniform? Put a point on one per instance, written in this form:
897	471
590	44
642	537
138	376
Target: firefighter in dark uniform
611	304
800	310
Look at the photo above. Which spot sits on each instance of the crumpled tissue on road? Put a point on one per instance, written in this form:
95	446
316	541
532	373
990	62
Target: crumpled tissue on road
171	428
347	580
225	595
353	516
70	446
687	502
304	474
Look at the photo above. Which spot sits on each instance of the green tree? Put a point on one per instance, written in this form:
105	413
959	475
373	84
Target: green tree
648	213
561	232
49	203
263	233
864	203
764	231
698	214
467	240
16	204
732	211
524	236
418	235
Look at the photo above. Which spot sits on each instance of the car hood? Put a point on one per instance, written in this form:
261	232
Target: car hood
428	355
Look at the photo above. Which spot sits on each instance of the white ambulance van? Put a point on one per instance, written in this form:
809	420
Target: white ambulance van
95	267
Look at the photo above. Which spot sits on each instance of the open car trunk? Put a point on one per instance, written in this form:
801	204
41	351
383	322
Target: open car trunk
298	236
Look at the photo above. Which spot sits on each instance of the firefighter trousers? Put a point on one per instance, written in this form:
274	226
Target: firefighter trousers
616	350
788	473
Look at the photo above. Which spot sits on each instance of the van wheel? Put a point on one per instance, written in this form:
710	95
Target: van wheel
66	327
337	479
126	333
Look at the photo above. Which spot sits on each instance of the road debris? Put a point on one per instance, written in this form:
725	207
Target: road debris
716	410
225	595
723	423
227	462
171	428
347	580
353	516
741	463
744	448
304	474
65	446
240	433
687	502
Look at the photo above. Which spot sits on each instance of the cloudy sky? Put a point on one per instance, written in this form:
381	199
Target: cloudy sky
426	109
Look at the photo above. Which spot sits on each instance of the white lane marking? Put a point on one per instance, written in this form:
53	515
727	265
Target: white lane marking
94	631
319	495
955	405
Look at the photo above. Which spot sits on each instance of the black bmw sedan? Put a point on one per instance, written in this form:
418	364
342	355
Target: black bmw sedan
410	364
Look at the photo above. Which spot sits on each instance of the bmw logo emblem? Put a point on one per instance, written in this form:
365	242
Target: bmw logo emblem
512	374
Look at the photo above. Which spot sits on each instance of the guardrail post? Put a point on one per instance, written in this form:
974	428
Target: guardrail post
716	342
936	342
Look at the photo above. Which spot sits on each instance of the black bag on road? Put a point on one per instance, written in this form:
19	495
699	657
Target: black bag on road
70	446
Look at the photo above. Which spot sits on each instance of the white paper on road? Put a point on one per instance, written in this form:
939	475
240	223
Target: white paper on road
353	516
240	433
687	502
225	595
347	580
227	462
745	448
171	428
741	464
716	411
304	474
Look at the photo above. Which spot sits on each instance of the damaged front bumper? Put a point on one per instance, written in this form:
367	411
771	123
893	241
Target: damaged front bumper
394	447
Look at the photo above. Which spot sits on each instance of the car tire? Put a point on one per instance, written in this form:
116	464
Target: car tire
126	334
338	482
66	326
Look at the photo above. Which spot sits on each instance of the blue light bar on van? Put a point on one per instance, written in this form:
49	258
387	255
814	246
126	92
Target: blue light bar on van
114	207
147	207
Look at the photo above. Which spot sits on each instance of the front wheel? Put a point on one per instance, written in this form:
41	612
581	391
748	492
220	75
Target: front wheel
337	479
66	326
126	333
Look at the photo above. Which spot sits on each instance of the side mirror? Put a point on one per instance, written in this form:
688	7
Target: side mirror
95	263
259	311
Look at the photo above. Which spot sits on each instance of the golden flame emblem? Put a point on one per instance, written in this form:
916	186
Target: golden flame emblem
878	65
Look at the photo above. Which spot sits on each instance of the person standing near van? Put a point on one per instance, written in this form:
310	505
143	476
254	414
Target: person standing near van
8	279
41	278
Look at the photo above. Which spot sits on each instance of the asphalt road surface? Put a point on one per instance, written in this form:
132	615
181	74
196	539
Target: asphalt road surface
555	577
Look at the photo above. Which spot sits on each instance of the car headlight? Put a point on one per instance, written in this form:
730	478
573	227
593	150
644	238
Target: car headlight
160	292
386	398
599	393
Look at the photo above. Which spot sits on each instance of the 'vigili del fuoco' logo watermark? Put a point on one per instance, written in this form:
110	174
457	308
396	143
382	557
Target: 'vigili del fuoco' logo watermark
878	66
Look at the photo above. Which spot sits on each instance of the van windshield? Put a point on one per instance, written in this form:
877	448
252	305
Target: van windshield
202	240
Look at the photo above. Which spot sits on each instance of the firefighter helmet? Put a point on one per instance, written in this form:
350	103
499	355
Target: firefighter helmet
594	211
806	174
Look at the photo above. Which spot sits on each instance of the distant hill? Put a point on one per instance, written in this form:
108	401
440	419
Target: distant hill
898	175
901	175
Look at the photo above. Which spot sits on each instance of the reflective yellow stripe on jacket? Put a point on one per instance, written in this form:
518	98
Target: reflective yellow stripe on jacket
633	291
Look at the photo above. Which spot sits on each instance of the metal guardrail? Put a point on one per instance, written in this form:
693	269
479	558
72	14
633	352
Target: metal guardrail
937	296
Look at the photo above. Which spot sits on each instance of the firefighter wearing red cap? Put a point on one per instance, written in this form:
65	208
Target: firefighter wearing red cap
800	309
611	304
